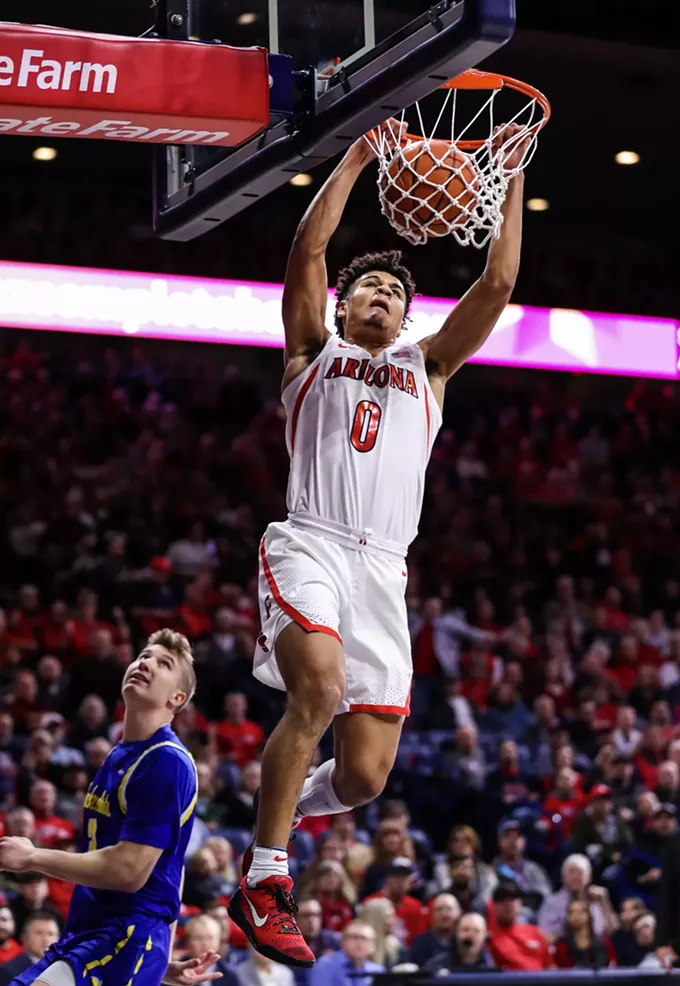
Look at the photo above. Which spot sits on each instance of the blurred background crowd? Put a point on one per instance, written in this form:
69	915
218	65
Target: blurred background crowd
537	784
538	779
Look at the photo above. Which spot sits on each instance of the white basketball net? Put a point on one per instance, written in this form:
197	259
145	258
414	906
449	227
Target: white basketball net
476	214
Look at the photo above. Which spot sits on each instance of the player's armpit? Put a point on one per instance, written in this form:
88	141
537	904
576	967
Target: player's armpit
134	863
466	329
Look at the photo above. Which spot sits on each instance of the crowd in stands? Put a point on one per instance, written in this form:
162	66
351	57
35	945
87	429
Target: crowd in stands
538	777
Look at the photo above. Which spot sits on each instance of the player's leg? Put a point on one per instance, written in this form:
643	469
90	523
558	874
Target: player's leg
378	669
312	666
365	750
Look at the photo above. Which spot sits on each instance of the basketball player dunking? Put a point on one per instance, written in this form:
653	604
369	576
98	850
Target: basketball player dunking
363	409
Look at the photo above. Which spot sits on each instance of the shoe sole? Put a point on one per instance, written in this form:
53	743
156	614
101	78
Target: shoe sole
235	911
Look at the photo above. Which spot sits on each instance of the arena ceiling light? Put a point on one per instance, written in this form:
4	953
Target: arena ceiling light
246	19
44	154
538	205
627	157
301	180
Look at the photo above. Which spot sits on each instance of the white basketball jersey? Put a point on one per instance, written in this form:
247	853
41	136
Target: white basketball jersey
360	431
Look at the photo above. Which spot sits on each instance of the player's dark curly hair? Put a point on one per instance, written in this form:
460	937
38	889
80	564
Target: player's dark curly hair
390	261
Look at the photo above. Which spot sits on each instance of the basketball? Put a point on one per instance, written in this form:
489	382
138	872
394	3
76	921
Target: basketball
432	182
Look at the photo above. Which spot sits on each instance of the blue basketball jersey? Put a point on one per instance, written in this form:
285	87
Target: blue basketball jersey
144	792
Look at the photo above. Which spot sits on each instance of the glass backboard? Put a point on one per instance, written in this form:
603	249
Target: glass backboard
355	62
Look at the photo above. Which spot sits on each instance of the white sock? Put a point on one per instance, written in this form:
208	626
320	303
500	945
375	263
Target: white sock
267	861
318	795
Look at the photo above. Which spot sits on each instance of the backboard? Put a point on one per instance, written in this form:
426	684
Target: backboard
355	63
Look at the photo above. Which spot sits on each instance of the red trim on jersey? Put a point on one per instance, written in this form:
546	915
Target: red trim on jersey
395	710
304	389
427	414
286	607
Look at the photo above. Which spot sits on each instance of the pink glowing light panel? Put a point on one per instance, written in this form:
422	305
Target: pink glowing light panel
249	314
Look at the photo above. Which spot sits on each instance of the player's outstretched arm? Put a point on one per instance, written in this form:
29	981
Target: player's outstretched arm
471	322
124	867
305	294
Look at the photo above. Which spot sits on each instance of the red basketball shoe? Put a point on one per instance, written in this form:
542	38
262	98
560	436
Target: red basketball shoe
265	914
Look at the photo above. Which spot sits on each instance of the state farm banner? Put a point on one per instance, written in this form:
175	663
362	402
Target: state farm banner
61	83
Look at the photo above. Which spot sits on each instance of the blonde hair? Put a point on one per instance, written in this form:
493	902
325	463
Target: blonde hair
465	832
376	913
178	645
217	844
203	854
389	827
318	868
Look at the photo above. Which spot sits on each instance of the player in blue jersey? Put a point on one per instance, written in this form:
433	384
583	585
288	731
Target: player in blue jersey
138	816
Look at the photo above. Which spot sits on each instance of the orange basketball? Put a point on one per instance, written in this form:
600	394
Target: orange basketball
430	177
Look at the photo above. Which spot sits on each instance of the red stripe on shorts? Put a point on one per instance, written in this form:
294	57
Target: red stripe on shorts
286	607
427	414
394	710
298	406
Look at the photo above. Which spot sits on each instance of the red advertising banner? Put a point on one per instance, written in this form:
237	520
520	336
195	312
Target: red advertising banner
61	83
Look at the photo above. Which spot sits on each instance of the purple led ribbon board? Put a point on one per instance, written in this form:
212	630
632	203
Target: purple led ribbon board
150	306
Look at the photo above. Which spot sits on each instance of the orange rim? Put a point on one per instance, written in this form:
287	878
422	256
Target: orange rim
476	79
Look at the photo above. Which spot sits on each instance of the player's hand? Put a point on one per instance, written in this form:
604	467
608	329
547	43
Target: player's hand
189	972
512	149
389	134
16	854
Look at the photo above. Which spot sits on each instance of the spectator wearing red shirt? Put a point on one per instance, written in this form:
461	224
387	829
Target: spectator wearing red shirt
515	947
626	664
335	893
24	622
237	737
57	631
411	916
616	618
652	752
49	828
86	622
25	707
195	611
565	801
9	947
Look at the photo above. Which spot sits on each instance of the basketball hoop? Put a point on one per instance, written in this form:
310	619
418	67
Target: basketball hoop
456	184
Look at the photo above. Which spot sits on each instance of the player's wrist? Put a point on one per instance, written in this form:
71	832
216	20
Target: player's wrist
360	153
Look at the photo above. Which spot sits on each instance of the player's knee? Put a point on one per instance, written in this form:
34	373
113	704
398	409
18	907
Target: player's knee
360	783
315	700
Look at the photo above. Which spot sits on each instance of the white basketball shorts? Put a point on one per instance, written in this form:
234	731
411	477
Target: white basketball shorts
348	584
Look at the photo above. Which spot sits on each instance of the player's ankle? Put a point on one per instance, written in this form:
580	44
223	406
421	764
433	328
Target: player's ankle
267	861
